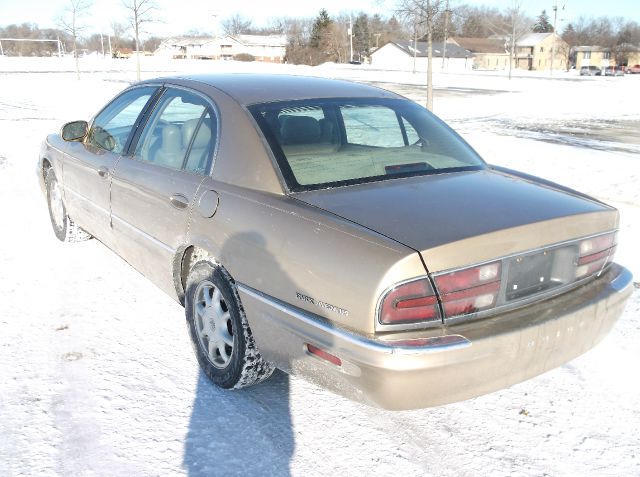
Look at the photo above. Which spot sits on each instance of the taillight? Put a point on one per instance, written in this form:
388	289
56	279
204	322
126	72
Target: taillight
477	288
595	253
469	290
412	302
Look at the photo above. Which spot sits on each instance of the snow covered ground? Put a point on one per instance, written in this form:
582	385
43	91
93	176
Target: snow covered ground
97	372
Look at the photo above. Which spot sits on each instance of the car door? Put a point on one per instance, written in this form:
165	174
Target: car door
153	188
88	164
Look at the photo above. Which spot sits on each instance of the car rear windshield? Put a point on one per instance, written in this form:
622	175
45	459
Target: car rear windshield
323	143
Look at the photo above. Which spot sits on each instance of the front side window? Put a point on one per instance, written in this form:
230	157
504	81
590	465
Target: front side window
111	128
332	142
180	134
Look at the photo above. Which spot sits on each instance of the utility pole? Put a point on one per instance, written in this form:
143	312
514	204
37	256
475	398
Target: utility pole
215	15
110	50
444	41
350	32
415	46
513	41
102	43
553	45
216	41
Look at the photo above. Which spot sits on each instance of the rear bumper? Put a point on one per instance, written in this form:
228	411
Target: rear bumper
444	365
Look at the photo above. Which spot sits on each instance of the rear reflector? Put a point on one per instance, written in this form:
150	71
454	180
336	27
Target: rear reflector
324	355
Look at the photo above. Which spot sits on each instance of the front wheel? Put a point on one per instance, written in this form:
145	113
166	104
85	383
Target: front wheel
220	333
65	229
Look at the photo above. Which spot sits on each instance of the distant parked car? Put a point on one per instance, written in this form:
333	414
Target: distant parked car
340	232
635	69
590	71
614	71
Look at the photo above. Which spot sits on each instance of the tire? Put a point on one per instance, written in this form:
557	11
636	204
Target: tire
63	227
220	333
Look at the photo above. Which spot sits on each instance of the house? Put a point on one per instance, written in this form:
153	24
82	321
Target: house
187	47
488	53
408	56
534	50
624	55
268	48
593	56
627	54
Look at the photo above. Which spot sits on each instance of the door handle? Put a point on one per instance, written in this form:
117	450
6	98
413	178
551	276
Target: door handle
103	172
179	201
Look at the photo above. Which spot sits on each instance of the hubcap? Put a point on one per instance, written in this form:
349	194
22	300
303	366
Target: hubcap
57	208
213	324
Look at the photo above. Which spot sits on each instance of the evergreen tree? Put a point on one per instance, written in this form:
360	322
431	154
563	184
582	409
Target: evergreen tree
321	27
542	24
361	36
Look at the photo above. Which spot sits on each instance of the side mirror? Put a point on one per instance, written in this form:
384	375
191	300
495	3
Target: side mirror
74	131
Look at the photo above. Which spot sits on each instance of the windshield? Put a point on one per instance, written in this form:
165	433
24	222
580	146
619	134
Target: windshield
324	143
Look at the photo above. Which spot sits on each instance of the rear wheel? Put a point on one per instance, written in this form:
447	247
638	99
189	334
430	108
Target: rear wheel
64	228
220	333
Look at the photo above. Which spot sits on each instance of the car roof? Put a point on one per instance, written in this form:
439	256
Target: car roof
247	88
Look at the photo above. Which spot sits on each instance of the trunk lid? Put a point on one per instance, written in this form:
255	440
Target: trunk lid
459	219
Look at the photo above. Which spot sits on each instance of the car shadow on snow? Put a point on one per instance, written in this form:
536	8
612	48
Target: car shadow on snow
243	432
247	431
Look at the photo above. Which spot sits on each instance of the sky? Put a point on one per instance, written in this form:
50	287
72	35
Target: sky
177	17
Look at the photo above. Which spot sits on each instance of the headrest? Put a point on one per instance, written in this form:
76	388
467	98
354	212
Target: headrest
300	130
326	130
204	133
171	138
188	129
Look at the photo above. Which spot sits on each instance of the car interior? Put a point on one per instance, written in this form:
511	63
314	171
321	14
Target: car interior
179	136
324	144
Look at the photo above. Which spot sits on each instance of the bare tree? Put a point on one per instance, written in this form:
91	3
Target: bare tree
117	38
236	25
518	25
336	39
475	21
140	12
298	31
31	48
424	13
71	22
511	25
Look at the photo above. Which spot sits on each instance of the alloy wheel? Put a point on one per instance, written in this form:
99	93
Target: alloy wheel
213	324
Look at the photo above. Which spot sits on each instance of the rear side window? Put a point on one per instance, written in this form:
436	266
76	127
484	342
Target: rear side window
112	127
180	133
335	142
